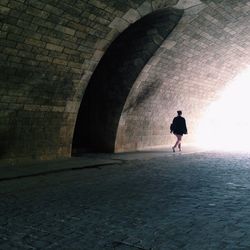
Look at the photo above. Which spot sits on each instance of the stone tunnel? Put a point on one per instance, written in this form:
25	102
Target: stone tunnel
88	90
108	76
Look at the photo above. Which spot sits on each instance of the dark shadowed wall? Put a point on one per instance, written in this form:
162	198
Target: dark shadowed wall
107	91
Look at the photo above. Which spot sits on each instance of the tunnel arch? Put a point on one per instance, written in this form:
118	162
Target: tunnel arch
112	80
206	51
50	49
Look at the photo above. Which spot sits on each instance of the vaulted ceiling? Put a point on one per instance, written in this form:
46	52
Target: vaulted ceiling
117	71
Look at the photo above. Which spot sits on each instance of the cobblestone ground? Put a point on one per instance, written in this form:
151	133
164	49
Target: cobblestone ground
181	201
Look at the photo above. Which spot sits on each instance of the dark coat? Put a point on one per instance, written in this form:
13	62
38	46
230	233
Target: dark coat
178	126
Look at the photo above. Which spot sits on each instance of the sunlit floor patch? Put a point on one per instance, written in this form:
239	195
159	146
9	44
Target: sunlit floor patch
226	123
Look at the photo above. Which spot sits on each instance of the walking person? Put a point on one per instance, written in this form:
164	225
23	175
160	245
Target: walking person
178	128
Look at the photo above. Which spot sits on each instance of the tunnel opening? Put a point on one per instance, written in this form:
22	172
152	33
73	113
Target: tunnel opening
105	96
225	123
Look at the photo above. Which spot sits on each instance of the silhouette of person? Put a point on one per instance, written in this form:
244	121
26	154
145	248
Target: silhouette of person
178	128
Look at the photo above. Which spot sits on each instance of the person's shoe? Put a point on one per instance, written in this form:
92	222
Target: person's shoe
179	149
173	149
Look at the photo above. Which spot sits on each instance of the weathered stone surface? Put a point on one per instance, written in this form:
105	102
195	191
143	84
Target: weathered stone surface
145	8
185	4
50	49
108	89
185	73
182	201
119	24
131	16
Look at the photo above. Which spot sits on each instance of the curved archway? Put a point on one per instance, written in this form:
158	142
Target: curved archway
110	84
200	58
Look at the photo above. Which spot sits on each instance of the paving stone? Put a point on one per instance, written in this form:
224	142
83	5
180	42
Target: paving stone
150	203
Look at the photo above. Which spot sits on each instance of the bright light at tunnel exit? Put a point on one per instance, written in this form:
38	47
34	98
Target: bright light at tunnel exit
226	123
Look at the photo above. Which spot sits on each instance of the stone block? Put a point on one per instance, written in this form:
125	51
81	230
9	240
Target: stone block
65	30
145	8
71	107
37	12
69	45
70	51
98	4
4	10
185	4
43	58
35	42
27	25
41	22
75	65
54	47
26	17
37	4
10	51
17	5
14	37
12	28
60	61
8	99
119	24
52	9
80	34
131	16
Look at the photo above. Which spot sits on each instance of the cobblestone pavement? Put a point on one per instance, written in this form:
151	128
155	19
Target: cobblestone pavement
181	201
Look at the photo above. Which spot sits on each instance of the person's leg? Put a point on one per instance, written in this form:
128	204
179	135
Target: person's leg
178	137
179	145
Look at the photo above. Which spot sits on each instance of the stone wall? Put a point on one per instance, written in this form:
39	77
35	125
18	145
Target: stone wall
207	49
107	91
50	49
